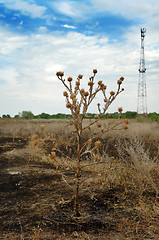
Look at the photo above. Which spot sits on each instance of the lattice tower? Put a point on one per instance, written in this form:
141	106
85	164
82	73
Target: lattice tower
142	93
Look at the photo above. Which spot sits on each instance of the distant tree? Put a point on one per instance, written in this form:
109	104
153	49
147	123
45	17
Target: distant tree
26	115
6	116
44	116
153	116
16	116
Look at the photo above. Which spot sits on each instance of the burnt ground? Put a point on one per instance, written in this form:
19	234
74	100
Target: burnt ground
35	203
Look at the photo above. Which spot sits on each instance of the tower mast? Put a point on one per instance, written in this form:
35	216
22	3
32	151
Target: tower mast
142	94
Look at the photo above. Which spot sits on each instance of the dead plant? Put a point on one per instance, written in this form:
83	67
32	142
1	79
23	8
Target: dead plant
78	101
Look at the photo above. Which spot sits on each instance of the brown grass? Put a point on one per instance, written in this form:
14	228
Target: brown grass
129	167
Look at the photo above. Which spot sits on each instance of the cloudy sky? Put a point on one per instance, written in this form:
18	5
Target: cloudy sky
39	38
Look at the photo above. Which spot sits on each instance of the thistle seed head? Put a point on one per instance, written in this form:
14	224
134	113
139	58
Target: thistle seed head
90	83
94	71
35	136
65	94
80	76
35	142
42	127
68	105
60	74
82	91
119	82
126	121
99	83
120	109
89	141
122	78
97	144
53	155
125	127
89	128
96	117
112	93
103	86
96	157
77	83
73	95
69	79
86	94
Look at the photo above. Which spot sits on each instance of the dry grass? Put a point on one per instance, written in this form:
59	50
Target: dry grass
129	166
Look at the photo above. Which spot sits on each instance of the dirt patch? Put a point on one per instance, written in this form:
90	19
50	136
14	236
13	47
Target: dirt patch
35	203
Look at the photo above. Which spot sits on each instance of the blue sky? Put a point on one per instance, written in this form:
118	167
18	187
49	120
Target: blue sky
38	38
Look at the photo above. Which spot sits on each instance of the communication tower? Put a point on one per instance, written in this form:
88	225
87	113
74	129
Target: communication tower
142	94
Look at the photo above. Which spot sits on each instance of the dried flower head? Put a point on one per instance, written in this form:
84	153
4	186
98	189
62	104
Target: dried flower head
103	86
94	71
96	157
73	95
105	99
90	83
35	136
112	93
99	125
126	121
125	127
89	128
100	82
80	76
52	155
65	94
69	79
82	91
122	78
68	105
120	109
60	74
89	141
97	144
35	142
77	83
86	94
96	117
119	82
42	127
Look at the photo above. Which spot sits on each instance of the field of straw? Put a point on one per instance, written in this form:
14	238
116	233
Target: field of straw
119	190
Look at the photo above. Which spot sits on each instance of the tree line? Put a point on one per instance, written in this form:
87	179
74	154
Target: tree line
129	114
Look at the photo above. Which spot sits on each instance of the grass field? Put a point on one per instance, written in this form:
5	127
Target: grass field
119	192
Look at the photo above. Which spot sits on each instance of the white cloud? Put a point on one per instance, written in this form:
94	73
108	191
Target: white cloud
68	26
72	9
43	29
26	8
32	61
36	59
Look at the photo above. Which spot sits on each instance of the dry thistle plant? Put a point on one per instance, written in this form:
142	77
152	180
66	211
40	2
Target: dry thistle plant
78	100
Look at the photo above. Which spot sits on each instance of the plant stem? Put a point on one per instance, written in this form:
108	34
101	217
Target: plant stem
77	214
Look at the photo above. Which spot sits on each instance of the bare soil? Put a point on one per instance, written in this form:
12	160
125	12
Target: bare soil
35	203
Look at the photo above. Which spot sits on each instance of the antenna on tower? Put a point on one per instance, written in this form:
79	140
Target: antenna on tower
142	94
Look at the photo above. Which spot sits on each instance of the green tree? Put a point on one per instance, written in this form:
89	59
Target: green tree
26	115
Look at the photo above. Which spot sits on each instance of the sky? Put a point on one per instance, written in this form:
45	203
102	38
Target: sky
39	38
